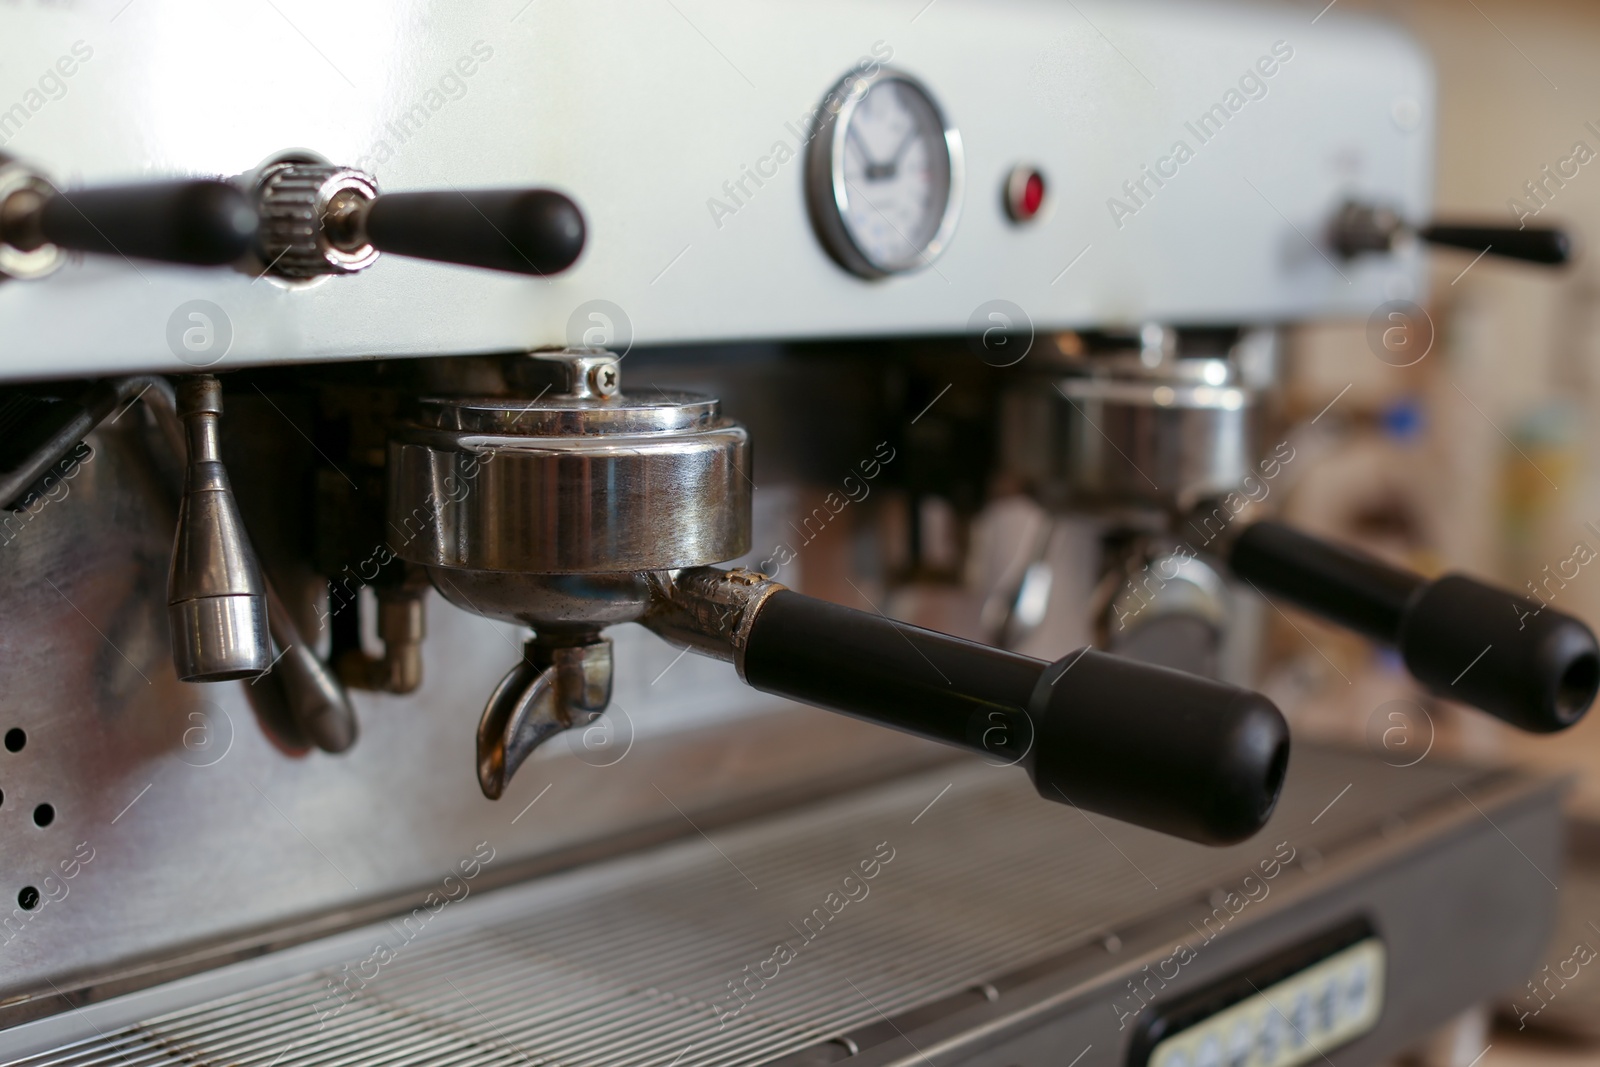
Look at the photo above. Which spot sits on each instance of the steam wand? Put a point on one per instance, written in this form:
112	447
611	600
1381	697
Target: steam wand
221	606
225	616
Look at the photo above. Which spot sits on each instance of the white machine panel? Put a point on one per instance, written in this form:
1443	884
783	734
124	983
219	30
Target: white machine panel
654	116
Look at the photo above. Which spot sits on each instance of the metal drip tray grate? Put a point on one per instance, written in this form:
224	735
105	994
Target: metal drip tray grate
635	961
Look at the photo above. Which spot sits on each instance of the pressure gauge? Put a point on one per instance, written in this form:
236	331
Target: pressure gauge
883	175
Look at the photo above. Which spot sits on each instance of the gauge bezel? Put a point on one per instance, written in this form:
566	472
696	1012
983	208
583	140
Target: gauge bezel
828	197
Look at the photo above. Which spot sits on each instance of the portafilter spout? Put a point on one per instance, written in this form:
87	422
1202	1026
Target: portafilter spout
583	508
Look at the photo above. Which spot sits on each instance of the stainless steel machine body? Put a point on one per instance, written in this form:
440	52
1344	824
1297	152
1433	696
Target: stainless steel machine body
158	836
669	956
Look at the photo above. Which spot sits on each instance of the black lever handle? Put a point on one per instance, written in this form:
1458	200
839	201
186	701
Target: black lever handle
201	222
1533	245
1360	227
1176	753
1517	659
527	231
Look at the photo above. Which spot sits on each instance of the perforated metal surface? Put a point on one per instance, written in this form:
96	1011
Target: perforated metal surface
632	962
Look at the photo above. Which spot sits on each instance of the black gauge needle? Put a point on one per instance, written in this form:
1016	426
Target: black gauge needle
894	160
861	146
883	171
874	171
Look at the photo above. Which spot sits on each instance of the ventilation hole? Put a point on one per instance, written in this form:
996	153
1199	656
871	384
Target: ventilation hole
15	739
2	796
28	898
44	815
1574	692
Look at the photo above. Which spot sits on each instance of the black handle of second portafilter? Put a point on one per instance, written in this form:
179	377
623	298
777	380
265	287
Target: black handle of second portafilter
1170	751
1515	658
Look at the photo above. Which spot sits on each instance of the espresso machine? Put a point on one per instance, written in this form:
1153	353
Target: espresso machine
464	511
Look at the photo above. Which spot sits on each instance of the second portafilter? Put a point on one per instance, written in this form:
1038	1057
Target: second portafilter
582	507
1163	435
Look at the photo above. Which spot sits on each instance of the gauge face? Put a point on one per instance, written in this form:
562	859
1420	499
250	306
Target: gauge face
885	176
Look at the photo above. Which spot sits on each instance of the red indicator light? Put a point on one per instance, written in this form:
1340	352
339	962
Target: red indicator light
1032	194
1024	194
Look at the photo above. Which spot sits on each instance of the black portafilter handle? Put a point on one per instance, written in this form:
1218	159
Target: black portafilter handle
1159	748
525	231
1535	244
203	222
1515	658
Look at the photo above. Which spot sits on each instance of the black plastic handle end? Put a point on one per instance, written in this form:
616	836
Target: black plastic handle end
1536	668
1517	659
1179	754
203	222
524	231
1534	244
1184	755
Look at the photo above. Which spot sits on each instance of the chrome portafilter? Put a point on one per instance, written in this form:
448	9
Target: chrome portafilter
552	512
1163	437
582	507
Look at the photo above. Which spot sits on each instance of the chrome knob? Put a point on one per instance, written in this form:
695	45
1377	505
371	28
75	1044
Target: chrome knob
306	213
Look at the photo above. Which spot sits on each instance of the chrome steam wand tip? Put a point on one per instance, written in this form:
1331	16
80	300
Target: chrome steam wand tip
216	600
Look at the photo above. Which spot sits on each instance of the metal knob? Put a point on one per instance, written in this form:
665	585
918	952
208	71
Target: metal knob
318	218
216	597
303	207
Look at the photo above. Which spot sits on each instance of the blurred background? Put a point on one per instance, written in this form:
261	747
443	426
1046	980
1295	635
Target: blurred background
1485	454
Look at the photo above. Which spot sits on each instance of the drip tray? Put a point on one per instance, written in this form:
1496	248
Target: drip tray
948	917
